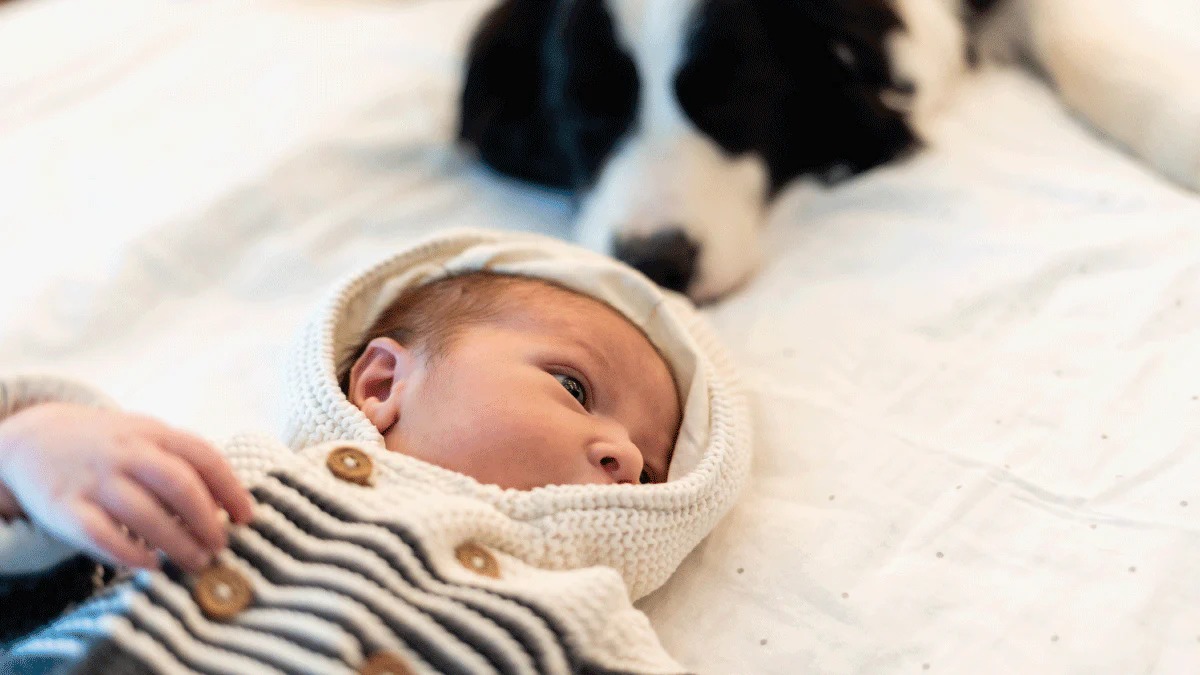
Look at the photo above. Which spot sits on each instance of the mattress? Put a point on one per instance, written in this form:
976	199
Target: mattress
975	375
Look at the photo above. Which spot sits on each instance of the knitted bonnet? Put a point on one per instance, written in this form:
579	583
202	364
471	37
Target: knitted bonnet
641	531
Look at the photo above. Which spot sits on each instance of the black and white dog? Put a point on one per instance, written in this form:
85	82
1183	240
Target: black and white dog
676	121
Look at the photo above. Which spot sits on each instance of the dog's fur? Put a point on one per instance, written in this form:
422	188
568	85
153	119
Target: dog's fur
676	121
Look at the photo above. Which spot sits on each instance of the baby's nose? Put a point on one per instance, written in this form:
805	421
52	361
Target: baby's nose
621	460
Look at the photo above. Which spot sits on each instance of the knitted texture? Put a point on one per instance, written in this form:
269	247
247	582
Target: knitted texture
18	393
642	531
422	563
341	572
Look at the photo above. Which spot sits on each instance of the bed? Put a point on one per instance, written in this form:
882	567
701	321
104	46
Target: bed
975	376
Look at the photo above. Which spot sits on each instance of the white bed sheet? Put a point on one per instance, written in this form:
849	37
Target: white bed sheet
976	376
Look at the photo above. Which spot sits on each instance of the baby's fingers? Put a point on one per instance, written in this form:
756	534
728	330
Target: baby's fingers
212	468
145	517
102	538
175	483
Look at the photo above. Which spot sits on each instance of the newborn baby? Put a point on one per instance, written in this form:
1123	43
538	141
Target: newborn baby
517	382
496	443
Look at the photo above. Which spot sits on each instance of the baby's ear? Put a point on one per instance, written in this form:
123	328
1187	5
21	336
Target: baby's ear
377	380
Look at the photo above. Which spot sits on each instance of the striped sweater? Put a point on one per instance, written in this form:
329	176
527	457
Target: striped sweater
340	572
363	560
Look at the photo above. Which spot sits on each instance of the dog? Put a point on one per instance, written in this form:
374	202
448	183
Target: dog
675	122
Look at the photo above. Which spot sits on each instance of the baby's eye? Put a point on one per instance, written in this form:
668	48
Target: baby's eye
574	387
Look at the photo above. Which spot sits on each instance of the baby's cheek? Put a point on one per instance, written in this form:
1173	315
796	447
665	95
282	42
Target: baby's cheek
517	435
535	445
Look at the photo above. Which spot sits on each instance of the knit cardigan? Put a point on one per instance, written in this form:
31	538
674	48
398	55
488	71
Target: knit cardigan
363	560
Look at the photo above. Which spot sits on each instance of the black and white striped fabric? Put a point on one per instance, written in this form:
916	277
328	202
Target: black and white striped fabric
338	579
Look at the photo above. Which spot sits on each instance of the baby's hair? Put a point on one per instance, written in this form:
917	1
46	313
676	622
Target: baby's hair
427	318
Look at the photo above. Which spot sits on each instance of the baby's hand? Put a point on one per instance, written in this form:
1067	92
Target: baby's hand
118	485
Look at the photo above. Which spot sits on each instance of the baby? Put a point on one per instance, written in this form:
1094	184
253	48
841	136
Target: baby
495	444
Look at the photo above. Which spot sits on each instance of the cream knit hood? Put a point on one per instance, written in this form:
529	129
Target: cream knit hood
642	531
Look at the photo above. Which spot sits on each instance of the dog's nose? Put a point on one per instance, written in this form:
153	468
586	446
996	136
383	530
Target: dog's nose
668	257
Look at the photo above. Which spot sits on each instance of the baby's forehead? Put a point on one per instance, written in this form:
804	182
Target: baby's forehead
525	289
571	312
554	303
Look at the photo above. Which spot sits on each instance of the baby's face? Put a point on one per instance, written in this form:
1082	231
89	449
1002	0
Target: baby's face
564	391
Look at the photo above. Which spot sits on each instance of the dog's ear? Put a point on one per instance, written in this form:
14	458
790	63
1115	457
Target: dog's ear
503	112
846	61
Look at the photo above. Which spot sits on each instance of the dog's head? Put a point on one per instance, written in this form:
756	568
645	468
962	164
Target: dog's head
676	121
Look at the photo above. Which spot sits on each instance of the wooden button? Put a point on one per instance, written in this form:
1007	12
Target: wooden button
221	592
350	464
384	663
478	559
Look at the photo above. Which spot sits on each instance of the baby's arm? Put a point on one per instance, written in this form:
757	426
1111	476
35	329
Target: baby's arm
114	485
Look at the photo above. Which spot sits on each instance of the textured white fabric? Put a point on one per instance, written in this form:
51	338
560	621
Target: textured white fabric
341	571
1015	311
643	531
18	392
590	602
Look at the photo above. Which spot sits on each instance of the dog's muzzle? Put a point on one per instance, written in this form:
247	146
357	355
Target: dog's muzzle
668	257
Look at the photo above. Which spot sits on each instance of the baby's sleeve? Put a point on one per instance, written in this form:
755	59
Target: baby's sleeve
39	575
32	597
24	548
19	393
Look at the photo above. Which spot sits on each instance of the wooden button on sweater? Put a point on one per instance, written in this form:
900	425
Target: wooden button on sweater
384	663
350	464
478	559
221	592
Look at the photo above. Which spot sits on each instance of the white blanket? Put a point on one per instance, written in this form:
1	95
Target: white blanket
976	375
